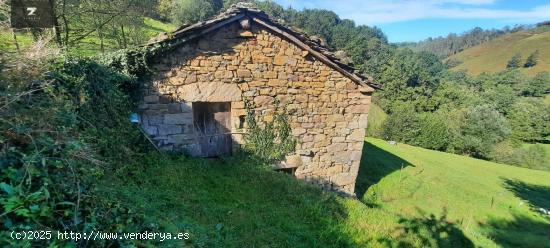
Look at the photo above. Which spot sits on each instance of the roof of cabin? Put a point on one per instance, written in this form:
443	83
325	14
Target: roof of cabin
243	11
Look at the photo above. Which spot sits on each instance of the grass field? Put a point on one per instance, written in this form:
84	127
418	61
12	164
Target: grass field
154	27
7	41
89	46
377	116
493	55
407	197
488	202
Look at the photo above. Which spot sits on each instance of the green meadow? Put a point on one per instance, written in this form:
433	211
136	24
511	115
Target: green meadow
89	46
407	197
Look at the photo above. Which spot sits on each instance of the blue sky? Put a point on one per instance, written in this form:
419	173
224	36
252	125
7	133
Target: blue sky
414	20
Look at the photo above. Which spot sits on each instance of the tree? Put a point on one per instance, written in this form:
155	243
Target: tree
530	120
164	9
514	62
318	22
410	77
434	133
402	124
482	128
538	86
454	43
107	22
191	11
532	59
501	97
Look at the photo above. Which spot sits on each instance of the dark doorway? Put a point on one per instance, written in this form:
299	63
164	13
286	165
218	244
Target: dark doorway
290	171
212	123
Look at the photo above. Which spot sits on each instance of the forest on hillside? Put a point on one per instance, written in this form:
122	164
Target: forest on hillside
454	43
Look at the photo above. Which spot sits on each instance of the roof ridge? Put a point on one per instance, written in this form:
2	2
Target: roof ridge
244	9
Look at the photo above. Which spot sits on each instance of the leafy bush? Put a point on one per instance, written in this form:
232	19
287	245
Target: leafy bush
63	127
530	120
434	132
535	157
538	86
532	156
532	59
482	127
506	152
500	96
450	63
402	124
514	62
269	140
191	11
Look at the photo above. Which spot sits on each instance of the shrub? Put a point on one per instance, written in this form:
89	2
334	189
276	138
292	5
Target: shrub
535	157
191	11
530	120
60	132
402	124
538	86
454	121
450	63
482	127
434	132
514	62
506	152
532	156
532	59
501	96
269	140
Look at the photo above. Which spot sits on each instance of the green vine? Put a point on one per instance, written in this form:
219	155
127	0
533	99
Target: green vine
62	130
135	61
270	140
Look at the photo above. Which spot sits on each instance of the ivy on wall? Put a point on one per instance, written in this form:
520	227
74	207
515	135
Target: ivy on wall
268	140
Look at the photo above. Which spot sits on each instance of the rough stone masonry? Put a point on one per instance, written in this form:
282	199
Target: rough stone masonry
328	110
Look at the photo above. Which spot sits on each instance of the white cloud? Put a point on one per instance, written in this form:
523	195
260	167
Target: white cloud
375	12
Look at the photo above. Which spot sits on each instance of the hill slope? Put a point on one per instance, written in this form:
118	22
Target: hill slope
493	55
487	201
408	197
90	45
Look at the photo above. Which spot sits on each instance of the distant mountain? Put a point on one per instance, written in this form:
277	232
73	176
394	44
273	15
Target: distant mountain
494	55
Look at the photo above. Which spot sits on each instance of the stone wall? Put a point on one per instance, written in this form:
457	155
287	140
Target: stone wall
328	113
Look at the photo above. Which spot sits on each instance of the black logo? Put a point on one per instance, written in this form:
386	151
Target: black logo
32	14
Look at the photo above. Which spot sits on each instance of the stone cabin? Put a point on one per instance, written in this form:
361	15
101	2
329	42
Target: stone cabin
195	100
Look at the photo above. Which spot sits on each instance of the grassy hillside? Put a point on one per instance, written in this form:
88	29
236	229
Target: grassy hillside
408	197
487	201
376	121
154	27
493	55
151	28
90	45
7	42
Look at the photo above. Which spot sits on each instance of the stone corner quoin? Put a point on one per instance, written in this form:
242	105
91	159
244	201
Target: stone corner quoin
328	112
